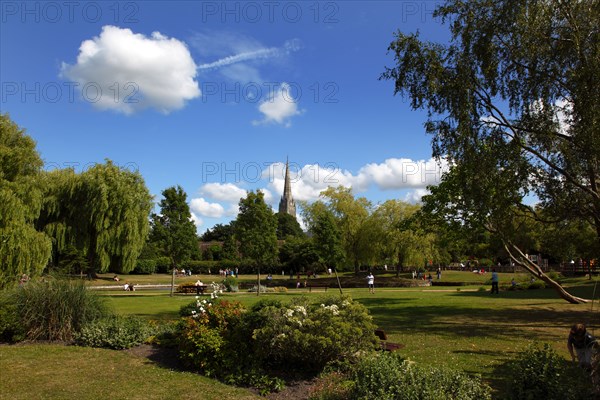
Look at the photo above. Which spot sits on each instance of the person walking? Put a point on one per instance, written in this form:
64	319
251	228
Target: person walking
371	282
494	281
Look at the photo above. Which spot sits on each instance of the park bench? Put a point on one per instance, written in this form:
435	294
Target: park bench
385	345
198	289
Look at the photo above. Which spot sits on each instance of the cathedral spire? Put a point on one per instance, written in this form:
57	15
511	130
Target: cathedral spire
287	204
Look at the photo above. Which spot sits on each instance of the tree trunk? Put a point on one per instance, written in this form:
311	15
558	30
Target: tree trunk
536	271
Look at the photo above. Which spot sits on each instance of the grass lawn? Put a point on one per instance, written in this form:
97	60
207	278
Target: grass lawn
42	371
462	327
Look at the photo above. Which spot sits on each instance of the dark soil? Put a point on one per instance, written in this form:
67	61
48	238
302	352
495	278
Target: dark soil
167	358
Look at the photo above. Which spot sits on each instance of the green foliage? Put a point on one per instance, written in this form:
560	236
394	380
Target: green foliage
144	267
287	225
386	376
231	283
163	265
540	373
331	386
256	229
223	340
115	332
11	329
23	250
102	212
327	238
173	230
203	337
306	337
55	309
299	253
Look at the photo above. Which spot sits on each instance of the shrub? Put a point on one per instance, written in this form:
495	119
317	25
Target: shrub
11	329
388	376
163	265
203	337
536	285
331	386
144	267
231	283
306	337
116	332
540	373
54	309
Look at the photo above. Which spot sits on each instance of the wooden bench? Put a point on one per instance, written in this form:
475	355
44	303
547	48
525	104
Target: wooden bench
311	287
198	289
385	345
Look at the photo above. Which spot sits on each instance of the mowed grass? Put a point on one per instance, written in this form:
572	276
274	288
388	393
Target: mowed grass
42	371
464	328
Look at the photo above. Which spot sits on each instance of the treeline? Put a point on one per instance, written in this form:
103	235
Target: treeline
101	220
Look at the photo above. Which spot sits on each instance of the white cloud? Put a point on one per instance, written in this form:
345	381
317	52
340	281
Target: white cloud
198	222
401	173
206	209
134	72
393	174
227	192
279	108
415	196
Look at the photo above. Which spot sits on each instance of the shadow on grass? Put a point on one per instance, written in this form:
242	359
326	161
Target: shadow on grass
453	320
585	291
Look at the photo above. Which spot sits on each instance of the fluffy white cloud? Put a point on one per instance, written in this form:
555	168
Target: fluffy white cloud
126	72
393	174
206	209
415	196
401	173
279	108
197	220
227	192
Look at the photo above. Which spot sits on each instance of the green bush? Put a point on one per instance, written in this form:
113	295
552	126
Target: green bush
163	265
331	386
144	267
231	284
306	337
203	336
11	329
54	308
386	376
536	285
116	332
540	373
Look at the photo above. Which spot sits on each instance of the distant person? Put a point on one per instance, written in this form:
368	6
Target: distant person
513	283
439	273
371	282
126	286
494	281
583	343
430	279
131	287
116	278
199	287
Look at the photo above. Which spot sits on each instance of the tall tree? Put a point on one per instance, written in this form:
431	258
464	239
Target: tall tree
352	220
513	102
256	229
23	250
399	238
327	239
173	229
102	212
287	225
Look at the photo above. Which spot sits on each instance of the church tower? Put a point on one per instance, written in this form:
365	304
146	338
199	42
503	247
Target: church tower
287	204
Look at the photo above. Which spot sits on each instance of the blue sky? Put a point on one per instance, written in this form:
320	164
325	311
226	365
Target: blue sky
213	96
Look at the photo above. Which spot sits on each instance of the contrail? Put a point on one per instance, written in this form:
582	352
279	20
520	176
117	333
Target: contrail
288	47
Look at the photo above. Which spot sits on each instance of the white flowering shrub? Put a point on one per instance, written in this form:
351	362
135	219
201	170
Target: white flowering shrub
306	337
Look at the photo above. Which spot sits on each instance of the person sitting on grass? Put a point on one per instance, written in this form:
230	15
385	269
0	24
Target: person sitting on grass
584	343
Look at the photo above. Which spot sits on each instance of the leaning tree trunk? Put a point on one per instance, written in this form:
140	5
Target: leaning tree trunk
536	271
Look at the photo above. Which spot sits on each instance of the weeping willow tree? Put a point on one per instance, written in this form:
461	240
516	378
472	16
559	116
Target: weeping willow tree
102	212
23	250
